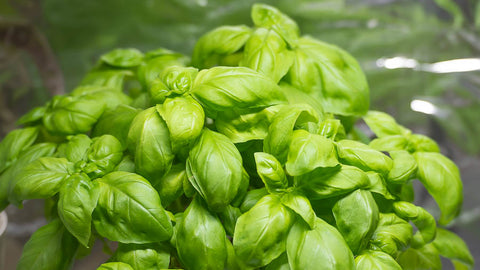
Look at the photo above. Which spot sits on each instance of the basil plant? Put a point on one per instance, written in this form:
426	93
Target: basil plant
244	156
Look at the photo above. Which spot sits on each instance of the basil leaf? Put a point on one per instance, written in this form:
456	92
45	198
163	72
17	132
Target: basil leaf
356	216
123	58
41	179
185	119
76	148
116	122
423	220
110	97
72	115
425	257
229	218
375	260
330	75
267	53
177	79
154	64
332	129
325	183
220	42
115	266
309	151
321	246
108	78
390	143
301	206
392	235
201	238
14	143
221	88
103	156
32	117
149	142
421	143
9	177
281	129
216	168
261	232
384	125
298	97
451	246
441	178
246	125
126	165
78	198
378	185
271	172
242	189
50	247
364	157
170	187
252	197
404	167
269	17
280	263
143	256
129	210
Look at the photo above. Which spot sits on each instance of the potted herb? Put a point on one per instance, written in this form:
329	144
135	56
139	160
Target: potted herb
244	157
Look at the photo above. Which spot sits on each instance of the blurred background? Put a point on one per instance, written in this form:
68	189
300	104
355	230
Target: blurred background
421	58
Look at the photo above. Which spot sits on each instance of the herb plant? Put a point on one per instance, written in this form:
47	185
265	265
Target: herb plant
244	157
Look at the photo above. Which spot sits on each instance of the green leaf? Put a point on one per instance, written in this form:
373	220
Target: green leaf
246	125
185	120
364	157
280	263
421	143
309	151
41	179
375	260
200	239
330	75
78	199
229	218
9	177
109	78
356	216
441	178
154	65
104	155
271	18
216	169
332	129
149	142
170	187
280	132
220	42
252	197
451	246
271	172
116	123
323	246
115	266
404	167
14	143
129	210
425	257
50	247
110	97
32	117
221	88
390	143
301	206
378	185
261	232
330	182
384	125
143	256
76	148
392	235
267	53
123	58
177	79
423	220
